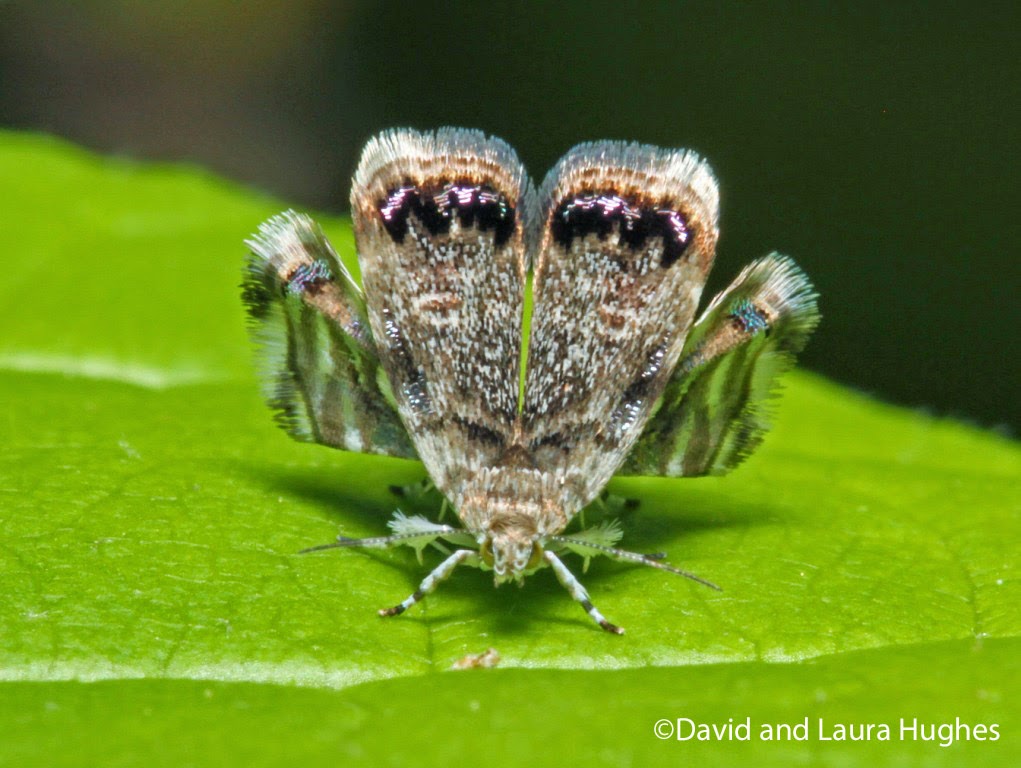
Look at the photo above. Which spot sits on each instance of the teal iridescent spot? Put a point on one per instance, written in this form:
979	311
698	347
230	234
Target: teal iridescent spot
307	275
751	318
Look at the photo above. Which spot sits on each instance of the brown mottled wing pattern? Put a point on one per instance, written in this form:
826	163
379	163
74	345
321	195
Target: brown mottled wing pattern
629	235
439	221
715	410
321	374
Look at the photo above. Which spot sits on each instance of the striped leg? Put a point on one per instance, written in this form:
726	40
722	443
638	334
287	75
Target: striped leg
577	591
430	582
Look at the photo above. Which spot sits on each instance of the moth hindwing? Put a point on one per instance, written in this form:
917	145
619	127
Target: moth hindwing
424	359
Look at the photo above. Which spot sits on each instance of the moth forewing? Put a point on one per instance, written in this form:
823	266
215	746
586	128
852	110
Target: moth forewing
629	237
439	222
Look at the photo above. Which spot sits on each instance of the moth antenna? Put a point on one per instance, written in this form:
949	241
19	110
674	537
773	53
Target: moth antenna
319	547
382	542
635	557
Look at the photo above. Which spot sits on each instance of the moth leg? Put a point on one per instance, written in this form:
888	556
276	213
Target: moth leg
430	582
614	504
444	506
609	504
435	544
579	593
416	494
413	491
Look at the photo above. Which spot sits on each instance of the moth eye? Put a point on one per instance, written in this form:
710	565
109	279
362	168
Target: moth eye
636	221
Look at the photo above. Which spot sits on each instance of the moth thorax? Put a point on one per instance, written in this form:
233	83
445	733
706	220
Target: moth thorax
511	546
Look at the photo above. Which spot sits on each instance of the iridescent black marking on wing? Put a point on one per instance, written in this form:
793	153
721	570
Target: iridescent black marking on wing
714	411
630	236
436	206
319	364
633	221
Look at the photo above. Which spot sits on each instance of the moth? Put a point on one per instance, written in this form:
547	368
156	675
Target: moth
424	359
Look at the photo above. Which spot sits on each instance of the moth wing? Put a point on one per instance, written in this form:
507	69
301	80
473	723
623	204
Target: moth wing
321	373
628	236
715	409
439	220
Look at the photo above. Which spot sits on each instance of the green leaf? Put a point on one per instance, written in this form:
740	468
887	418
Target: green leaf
151	515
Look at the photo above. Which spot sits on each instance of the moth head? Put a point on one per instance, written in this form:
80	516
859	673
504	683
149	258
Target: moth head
510	546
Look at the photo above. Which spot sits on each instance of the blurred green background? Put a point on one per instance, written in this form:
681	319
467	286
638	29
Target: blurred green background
876	143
